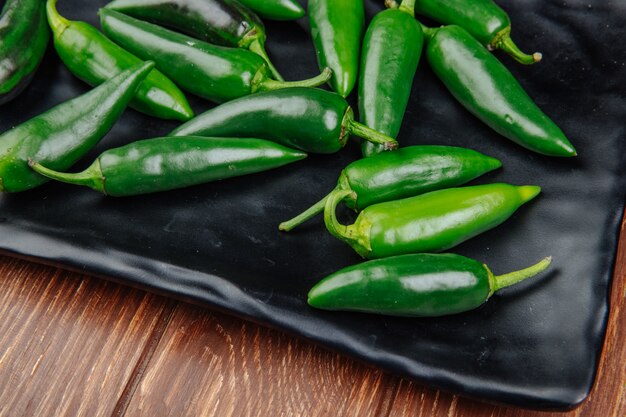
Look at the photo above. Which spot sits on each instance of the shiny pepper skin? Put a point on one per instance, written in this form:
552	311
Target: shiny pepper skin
220	22
62	135
415	285
337	28
216	73
93	58
24	36
487	89
406	172
309	119
162	164
275	9
431	222
483	19
391	53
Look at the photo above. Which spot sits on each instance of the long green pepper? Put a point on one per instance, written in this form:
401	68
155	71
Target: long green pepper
93	58
65	133
309	119
391	53
221	22
24	37
415	285
337	28
487	89
213	72
407	172
431	222
162	164
483	19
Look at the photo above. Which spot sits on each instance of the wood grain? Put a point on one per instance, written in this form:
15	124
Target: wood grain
71	345
68	344
214	365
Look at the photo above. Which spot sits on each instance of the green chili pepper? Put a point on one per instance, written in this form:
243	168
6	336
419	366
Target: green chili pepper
93	58
431	222
487	89
221	22
309	119
275	9
416	285
337	28
23	40
404	173
162	164
391	52
483	19
213	72
63	134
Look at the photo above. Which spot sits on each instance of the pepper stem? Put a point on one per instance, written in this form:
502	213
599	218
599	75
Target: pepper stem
504	42
371	135
57	23
428	32
408	6
335	228
92	177
257	47
506	280
309	213
318	80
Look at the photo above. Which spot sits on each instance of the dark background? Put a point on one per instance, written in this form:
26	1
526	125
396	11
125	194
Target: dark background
535	345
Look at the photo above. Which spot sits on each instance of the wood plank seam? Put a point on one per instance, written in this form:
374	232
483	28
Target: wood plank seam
142	364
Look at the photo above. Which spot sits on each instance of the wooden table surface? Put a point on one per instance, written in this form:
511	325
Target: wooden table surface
74	345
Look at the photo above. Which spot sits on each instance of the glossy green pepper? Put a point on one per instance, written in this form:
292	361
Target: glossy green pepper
63	134
23	40
275	9
483	19
337	28
162	164
213	72
407	172
309	119
487	89
93	58
391	52
431	222
221	22
415	285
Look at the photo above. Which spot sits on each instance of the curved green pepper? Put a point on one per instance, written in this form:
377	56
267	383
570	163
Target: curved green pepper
275	9
391	52
487	89
404	173
23	40
162	164
337	28
483	19
221	22
416	285
431	222
93	58
213	72
309	119
63	134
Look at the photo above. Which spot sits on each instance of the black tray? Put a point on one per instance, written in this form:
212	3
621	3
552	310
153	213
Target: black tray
535	345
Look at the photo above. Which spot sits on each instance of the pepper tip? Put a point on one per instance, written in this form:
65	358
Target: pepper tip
537	56
528	192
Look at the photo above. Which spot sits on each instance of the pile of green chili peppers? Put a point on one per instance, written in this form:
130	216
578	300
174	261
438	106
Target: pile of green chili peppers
412	202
